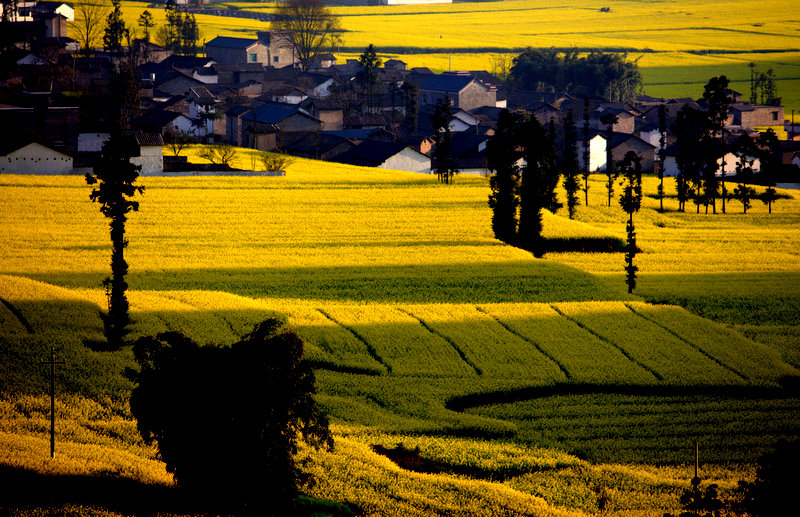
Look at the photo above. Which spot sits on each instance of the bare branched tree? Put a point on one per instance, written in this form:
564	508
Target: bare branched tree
90	23
312	27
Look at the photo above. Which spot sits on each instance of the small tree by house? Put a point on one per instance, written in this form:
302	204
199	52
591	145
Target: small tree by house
367	77
586	152
445	164
631	201
570	166
145	21
176	141
744	194
89	24
115	28
311	26
611	171
218	154
662	152
114	176
275	161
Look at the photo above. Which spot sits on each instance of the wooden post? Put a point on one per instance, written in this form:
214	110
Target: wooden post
52	362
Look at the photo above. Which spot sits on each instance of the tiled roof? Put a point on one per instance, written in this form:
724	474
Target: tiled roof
228	42
445	82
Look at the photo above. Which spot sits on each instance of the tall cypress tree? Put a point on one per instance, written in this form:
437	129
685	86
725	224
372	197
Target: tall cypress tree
115	175
115	28
570	165
662	152
718	99
611	171
534	195
586	150
502	156
631	201
445	165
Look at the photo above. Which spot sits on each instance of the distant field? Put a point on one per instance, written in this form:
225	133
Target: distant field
532	386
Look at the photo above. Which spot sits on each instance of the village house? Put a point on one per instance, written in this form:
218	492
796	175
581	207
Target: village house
751	116
269	48
269	127
728	161
150	151
387	155
463	90
33	158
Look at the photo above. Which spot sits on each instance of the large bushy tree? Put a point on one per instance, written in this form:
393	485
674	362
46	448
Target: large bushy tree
610	76
115	30
311	26
227	420
114	177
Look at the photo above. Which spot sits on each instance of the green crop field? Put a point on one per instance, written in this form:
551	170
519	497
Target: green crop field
530	386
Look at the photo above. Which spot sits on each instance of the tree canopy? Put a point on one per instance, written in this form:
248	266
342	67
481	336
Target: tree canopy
227	419
610	76
311	25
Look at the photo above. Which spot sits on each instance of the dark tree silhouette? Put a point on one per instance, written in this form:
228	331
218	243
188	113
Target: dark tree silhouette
611	171
553	172
146	22
718	99
746	153
443	157
410	93
700	503
768	147
662	152
115	28
367	77
689	130
534	190
631	201
586	150
570	166
115	175
502	156
227	419
774	490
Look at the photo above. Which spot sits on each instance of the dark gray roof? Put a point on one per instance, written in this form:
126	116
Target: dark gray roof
228	42
235	111
445	82
155	119
371	153
144	139
274	113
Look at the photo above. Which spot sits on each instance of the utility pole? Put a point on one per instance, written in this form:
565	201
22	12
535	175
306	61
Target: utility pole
52	362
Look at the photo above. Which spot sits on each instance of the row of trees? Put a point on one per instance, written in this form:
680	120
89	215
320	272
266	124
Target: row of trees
601	75
97	21
702	145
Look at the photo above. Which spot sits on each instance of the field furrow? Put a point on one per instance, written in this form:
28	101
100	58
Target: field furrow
495	350
673	359
401	342
586	357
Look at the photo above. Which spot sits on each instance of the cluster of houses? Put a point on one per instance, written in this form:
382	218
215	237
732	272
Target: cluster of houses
250	92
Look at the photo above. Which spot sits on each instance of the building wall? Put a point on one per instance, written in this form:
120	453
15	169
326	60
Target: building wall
475	96
238	55
151	159
646	154
761	116
332	120
597	153
36	159
408	160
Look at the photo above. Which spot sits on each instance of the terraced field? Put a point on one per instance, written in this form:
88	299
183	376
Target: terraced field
530	386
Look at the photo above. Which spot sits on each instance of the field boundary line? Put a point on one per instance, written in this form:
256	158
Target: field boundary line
655	374
714	359
527	340
370	349
452	343
17	314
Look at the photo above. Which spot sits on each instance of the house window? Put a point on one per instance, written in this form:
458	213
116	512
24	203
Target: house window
275	59
774	115
252	58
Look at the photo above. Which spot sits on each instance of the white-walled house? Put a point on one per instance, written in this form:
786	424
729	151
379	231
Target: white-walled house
387	155
150	156
35	158
597	153
671	165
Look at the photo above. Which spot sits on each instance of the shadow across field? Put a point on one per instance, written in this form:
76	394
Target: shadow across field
789	388
491	282
24	489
